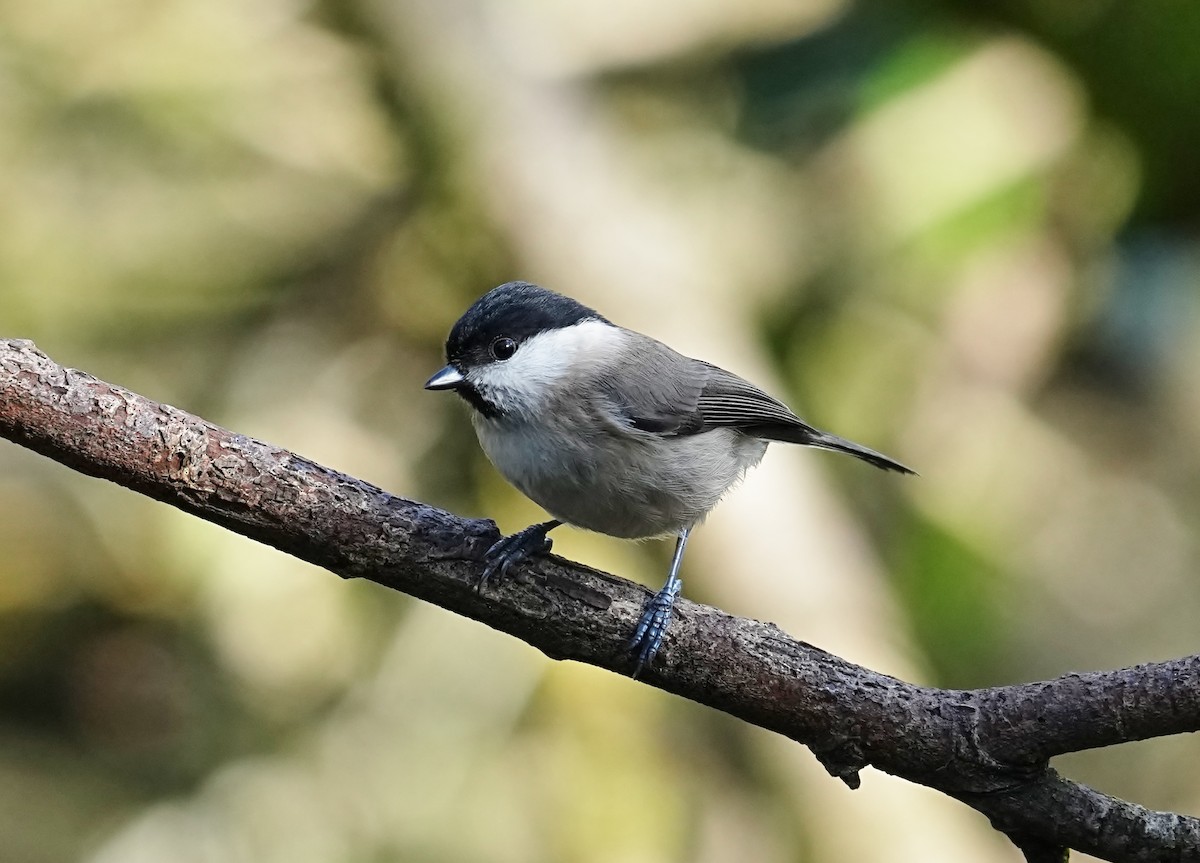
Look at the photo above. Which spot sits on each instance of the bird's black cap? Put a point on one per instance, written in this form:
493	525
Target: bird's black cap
516	310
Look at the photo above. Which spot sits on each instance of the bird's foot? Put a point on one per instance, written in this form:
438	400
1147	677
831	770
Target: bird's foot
652	626
514	549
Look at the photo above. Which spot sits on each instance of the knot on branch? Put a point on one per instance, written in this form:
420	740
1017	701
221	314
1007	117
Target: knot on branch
842	760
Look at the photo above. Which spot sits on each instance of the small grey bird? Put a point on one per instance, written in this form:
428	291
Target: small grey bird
608	429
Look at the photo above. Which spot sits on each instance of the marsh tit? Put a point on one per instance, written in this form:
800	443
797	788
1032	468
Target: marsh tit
608	429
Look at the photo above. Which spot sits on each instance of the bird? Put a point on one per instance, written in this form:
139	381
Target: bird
609	430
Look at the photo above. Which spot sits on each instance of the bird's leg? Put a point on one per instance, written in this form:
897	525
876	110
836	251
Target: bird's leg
513	549
652	626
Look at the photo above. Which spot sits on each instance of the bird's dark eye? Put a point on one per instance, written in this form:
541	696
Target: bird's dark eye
503	348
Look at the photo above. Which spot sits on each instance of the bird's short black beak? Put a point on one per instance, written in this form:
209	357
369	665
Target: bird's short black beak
448	378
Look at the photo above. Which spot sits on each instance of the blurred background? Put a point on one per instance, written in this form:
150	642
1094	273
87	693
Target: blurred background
966	235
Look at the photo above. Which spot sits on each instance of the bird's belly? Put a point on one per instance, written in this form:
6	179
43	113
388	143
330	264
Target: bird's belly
627	486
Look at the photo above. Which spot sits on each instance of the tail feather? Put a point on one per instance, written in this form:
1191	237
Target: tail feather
823	440
806	435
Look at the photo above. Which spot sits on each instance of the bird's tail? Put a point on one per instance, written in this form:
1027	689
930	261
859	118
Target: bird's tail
824	440
805	435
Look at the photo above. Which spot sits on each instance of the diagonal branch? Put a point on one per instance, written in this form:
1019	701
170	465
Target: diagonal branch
1036	721
987	748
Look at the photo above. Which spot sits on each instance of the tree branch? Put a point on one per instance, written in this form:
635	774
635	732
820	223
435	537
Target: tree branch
987	748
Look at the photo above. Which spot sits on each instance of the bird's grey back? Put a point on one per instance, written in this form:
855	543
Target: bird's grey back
662	391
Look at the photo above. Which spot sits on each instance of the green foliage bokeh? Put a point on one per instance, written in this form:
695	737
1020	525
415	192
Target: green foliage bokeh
967	236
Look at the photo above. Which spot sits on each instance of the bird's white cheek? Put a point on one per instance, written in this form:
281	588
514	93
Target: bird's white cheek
542	363
514	385
529	369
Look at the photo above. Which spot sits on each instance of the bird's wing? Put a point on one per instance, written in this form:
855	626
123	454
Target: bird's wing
668	394
728	400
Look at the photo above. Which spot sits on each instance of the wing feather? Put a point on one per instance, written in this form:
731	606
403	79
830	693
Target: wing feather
729	400
671	395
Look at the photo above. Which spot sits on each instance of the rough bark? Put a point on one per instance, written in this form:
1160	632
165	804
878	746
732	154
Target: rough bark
988	748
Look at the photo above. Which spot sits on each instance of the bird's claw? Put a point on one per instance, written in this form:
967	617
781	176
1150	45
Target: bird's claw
511	550
652	626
